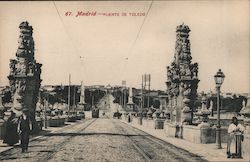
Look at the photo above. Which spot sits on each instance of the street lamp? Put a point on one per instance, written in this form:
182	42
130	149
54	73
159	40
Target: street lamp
219	78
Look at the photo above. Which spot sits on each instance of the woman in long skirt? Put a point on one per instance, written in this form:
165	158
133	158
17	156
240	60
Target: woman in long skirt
235	131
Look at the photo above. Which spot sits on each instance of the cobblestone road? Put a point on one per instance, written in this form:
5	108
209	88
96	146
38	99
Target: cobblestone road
100	139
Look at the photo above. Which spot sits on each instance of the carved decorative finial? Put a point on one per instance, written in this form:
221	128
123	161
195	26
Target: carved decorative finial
25	42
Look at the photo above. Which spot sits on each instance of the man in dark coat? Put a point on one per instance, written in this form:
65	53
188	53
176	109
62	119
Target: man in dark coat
12	136
24	128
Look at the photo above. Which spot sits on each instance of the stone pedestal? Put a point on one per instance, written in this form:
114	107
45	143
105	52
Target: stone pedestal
80	110
159	123
199	134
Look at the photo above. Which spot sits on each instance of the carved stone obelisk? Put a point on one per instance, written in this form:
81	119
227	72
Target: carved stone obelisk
130	104
24	77
182	78
82	103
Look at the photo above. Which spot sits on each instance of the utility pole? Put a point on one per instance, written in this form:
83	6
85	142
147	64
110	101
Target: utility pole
121	101
149	78
122	98
125	107
45	111
74	98
69	95
123	95
141	106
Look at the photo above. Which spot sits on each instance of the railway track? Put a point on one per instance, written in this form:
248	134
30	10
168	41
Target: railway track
145	155
156	149
60	145
45	152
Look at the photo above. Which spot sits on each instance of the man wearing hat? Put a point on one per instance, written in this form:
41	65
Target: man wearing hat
24	128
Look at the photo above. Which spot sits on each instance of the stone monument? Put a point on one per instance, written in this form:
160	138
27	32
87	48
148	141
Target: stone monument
130	104
203	113
24	77
82	98
182	78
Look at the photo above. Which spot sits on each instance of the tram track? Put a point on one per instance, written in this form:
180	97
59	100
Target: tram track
59	146
46	152
35	138
140	150
182	155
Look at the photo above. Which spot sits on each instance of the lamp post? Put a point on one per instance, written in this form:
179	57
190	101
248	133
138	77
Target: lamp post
219	78
141	106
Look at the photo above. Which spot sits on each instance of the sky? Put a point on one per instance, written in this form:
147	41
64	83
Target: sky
101	50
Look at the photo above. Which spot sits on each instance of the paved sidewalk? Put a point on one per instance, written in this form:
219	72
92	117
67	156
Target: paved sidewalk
206	151
5	147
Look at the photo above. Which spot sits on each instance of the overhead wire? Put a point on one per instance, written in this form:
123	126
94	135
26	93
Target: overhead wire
81	58
138	33
125	62
135	40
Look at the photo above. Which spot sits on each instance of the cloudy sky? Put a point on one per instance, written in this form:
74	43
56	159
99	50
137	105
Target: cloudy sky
106	50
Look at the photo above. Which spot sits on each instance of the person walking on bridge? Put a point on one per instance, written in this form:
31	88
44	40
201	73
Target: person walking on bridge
24	128
11	136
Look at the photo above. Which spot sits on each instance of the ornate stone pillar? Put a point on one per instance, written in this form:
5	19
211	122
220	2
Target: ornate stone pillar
24	77
182	77
82	103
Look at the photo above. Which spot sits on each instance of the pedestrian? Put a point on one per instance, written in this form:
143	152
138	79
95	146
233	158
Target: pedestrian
11	136
235	129
24	128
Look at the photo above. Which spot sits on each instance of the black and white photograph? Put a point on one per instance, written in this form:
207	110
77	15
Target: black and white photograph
125	81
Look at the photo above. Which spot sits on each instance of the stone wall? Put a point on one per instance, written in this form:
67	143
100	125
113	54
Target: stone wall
224	122
224	135
192	133
169	129
195	134
149	123
199	134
